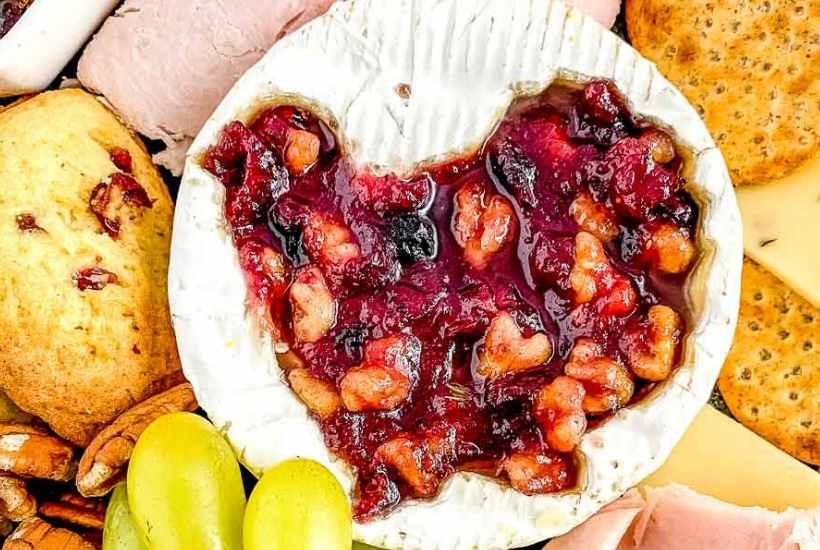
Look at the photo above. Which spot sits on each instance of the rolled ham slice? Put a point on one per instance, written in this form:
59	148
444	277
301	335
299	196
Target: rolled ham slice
677	518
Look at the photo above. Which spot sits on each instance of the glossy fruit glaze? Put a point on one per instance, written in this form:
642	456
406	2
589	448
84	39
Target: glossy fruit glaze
386	289
10	12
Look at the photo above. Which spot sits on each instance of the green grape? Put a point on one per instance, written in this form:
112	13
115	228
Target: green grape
298	505
120	532
184	486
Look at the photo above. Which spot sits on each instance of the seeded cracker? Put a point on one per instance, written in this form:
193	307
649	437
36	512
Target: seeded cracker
771	379
750	67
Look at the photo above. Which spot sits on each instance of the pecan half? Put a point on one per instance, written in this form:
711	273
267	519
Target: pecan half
102	465
109	197
16	504
37	534
29	452
75	510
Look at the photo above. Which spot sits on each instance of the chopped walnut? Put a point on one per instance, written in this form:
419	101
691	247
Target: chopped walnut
329	243
593	277
31	452
594	218
607	383
661	146
16	503
671	248
312	305
651	346
422	461
103	463
94	278
110	197
534	473
320	397
506	350
559	410
483	225
383	380
75	510
37	534
301	150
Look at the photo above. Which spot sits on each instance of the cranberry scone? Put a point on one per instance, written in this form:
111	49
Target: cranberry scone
481	261
85	330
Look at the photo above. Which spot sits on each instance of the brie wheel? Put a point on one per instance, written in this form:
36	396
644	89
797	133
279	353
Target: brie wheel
464	62
45	38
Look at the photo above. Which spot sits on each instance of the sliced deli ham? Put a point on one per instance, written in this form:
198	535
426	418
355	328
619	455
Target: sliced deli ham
166	64
677	518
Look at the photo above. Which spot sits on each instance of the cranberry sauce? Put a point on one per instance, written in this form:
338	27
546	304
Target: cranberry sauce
476	315
10	12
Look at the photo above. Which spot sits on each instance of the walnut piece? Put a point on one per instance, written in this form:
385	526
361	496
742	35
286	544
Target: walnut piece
319	396
32	452
16	503
75	510
37	534
506	349
102	465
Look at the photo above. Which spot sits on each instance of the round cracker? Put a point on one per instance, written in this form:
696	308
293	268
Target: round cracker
751	69
771	379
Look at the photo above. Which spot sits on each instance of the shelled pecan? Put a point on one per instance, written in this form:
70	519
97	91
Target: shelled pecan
102	465
75	510
37	534
32	452
16	503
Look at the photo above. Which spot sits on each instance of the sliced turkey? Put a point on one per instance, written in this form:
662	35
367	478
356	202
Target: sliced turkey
677	518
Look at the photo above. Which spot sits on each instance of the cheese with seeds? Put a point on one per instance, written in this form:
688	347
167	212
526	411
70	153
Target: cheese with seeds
781	225
464	62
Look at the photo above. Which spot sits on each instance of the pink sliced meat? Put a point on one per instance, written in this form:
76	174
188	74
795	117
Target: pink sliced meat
604	530
603	11
165	64
677	518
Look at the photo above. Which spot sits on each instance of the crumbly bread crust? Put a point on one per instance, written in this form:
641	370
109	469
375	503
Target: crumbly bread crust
77	358
751	69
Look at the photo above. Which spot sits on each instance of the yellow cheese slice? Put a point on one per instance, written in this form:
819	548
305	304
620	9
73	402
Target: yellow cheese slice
781	226
719	457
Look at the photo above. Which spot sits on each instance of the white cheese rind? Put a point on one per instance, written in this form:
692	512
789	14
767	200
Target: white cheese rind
45	38
465	62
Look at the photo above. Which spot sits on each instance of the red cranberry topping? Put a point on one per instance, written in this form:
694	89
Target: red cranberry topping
10	12
108	199
476	316
27	223
121	159
94	278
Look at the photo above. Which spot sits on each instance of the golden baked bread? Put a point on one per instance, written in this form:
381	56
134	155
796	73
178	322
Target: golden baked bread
751	68
771	379
84	324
